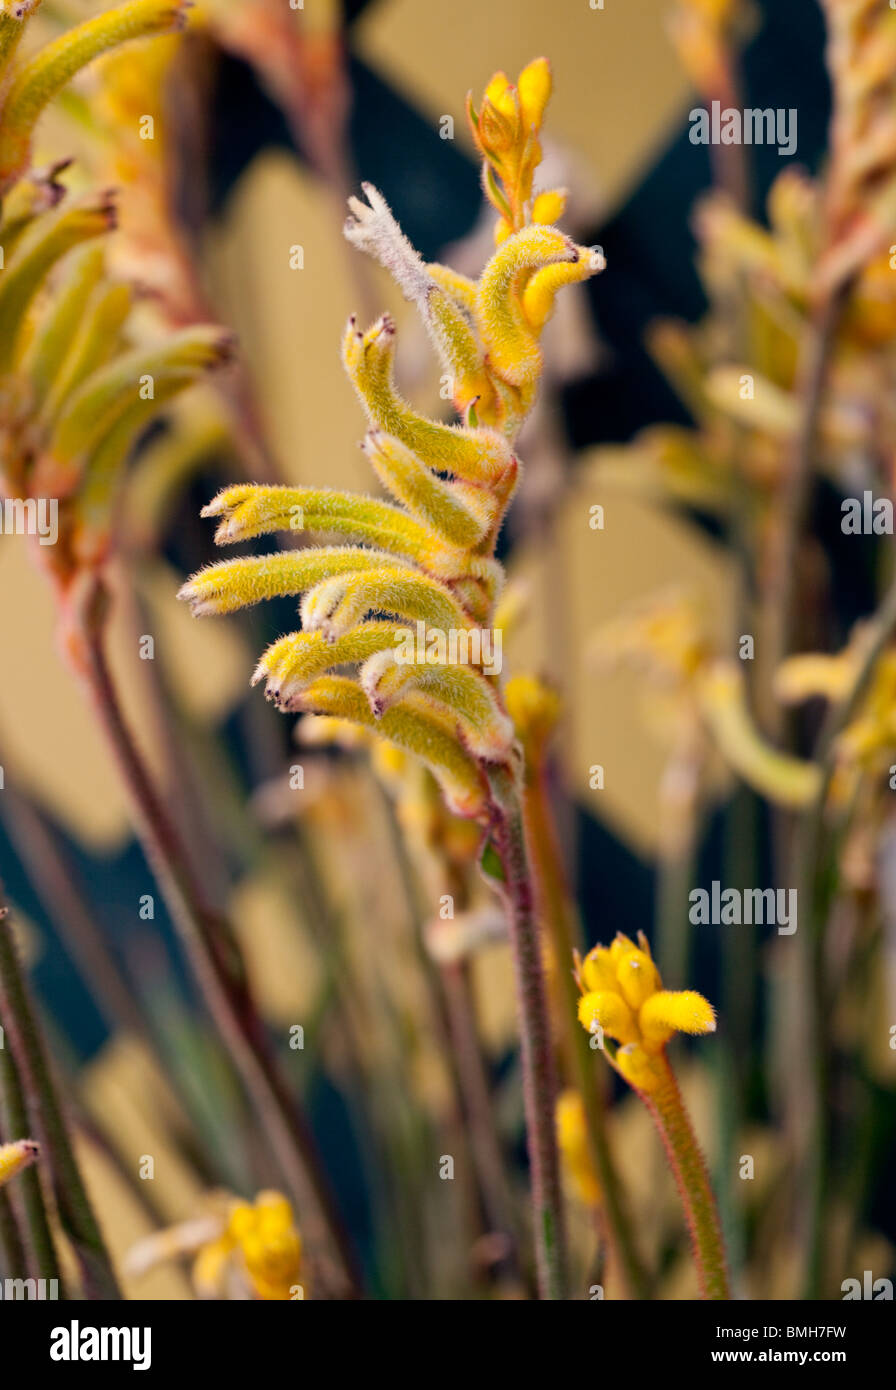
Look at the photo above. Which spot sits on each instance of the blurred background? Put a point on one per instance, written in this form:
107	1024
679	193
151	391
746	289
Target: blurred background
270	179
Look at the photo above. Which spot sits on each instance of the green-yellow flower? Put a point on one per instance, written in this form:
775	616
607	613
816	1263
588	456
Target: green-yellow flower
419	571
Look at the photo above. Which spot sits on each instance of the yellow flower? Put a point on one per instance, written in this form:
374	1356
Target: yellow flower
505	129
575	1150
623	999
241	1249
666	636
534	708
16	1156
270	1245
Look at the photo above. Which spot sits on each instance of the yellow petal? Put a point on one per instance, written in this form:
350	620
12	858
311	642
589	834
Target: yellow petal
644	1072
549	207
598	970
789	781
814	673
638	978
610	1012
675	1011
210	1268
534	86
497	87
620	946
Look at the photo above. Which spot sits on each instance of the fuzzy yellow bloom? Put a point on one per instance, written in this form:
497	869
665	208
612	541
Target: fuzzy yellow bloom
16	1156
623	999
240	1249
270	1245
506	129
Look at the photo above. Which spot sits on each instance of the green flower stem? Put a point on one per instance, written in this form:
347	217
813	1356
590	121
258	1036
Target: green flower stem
782	599
539	1081
38	1256
689	1170
216	961
478	1107
12	1250
559	916
35	1107
817	888
450	989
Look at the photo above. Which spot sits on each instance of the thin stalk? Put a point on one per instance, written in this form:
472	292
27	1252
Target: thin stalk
495	1193
558	913
689	1170
739	973
782	596
372	1093
54	883
11	1246
38	1254
731	169
812	879
453	1033
215	959
536	1053
45	1114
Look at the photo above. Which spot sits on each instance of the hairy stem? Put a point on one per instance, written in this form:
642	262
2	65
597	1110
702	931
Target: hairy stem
814	885
454	1018
478	1106
559	915
539	1081
12	1249
37	1254
33	1104
689	1170
783	593
215	958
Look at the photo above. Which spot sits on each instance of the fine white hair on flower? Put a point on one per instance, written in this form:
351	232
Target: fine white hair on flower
373	229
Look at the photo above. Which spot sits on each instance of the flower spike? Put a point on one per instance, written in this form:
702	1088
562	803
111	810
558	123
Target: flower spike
426	560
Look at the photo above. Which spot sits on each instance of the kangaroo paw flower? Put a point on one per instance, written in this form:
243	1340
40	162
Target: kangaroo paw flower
42	77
